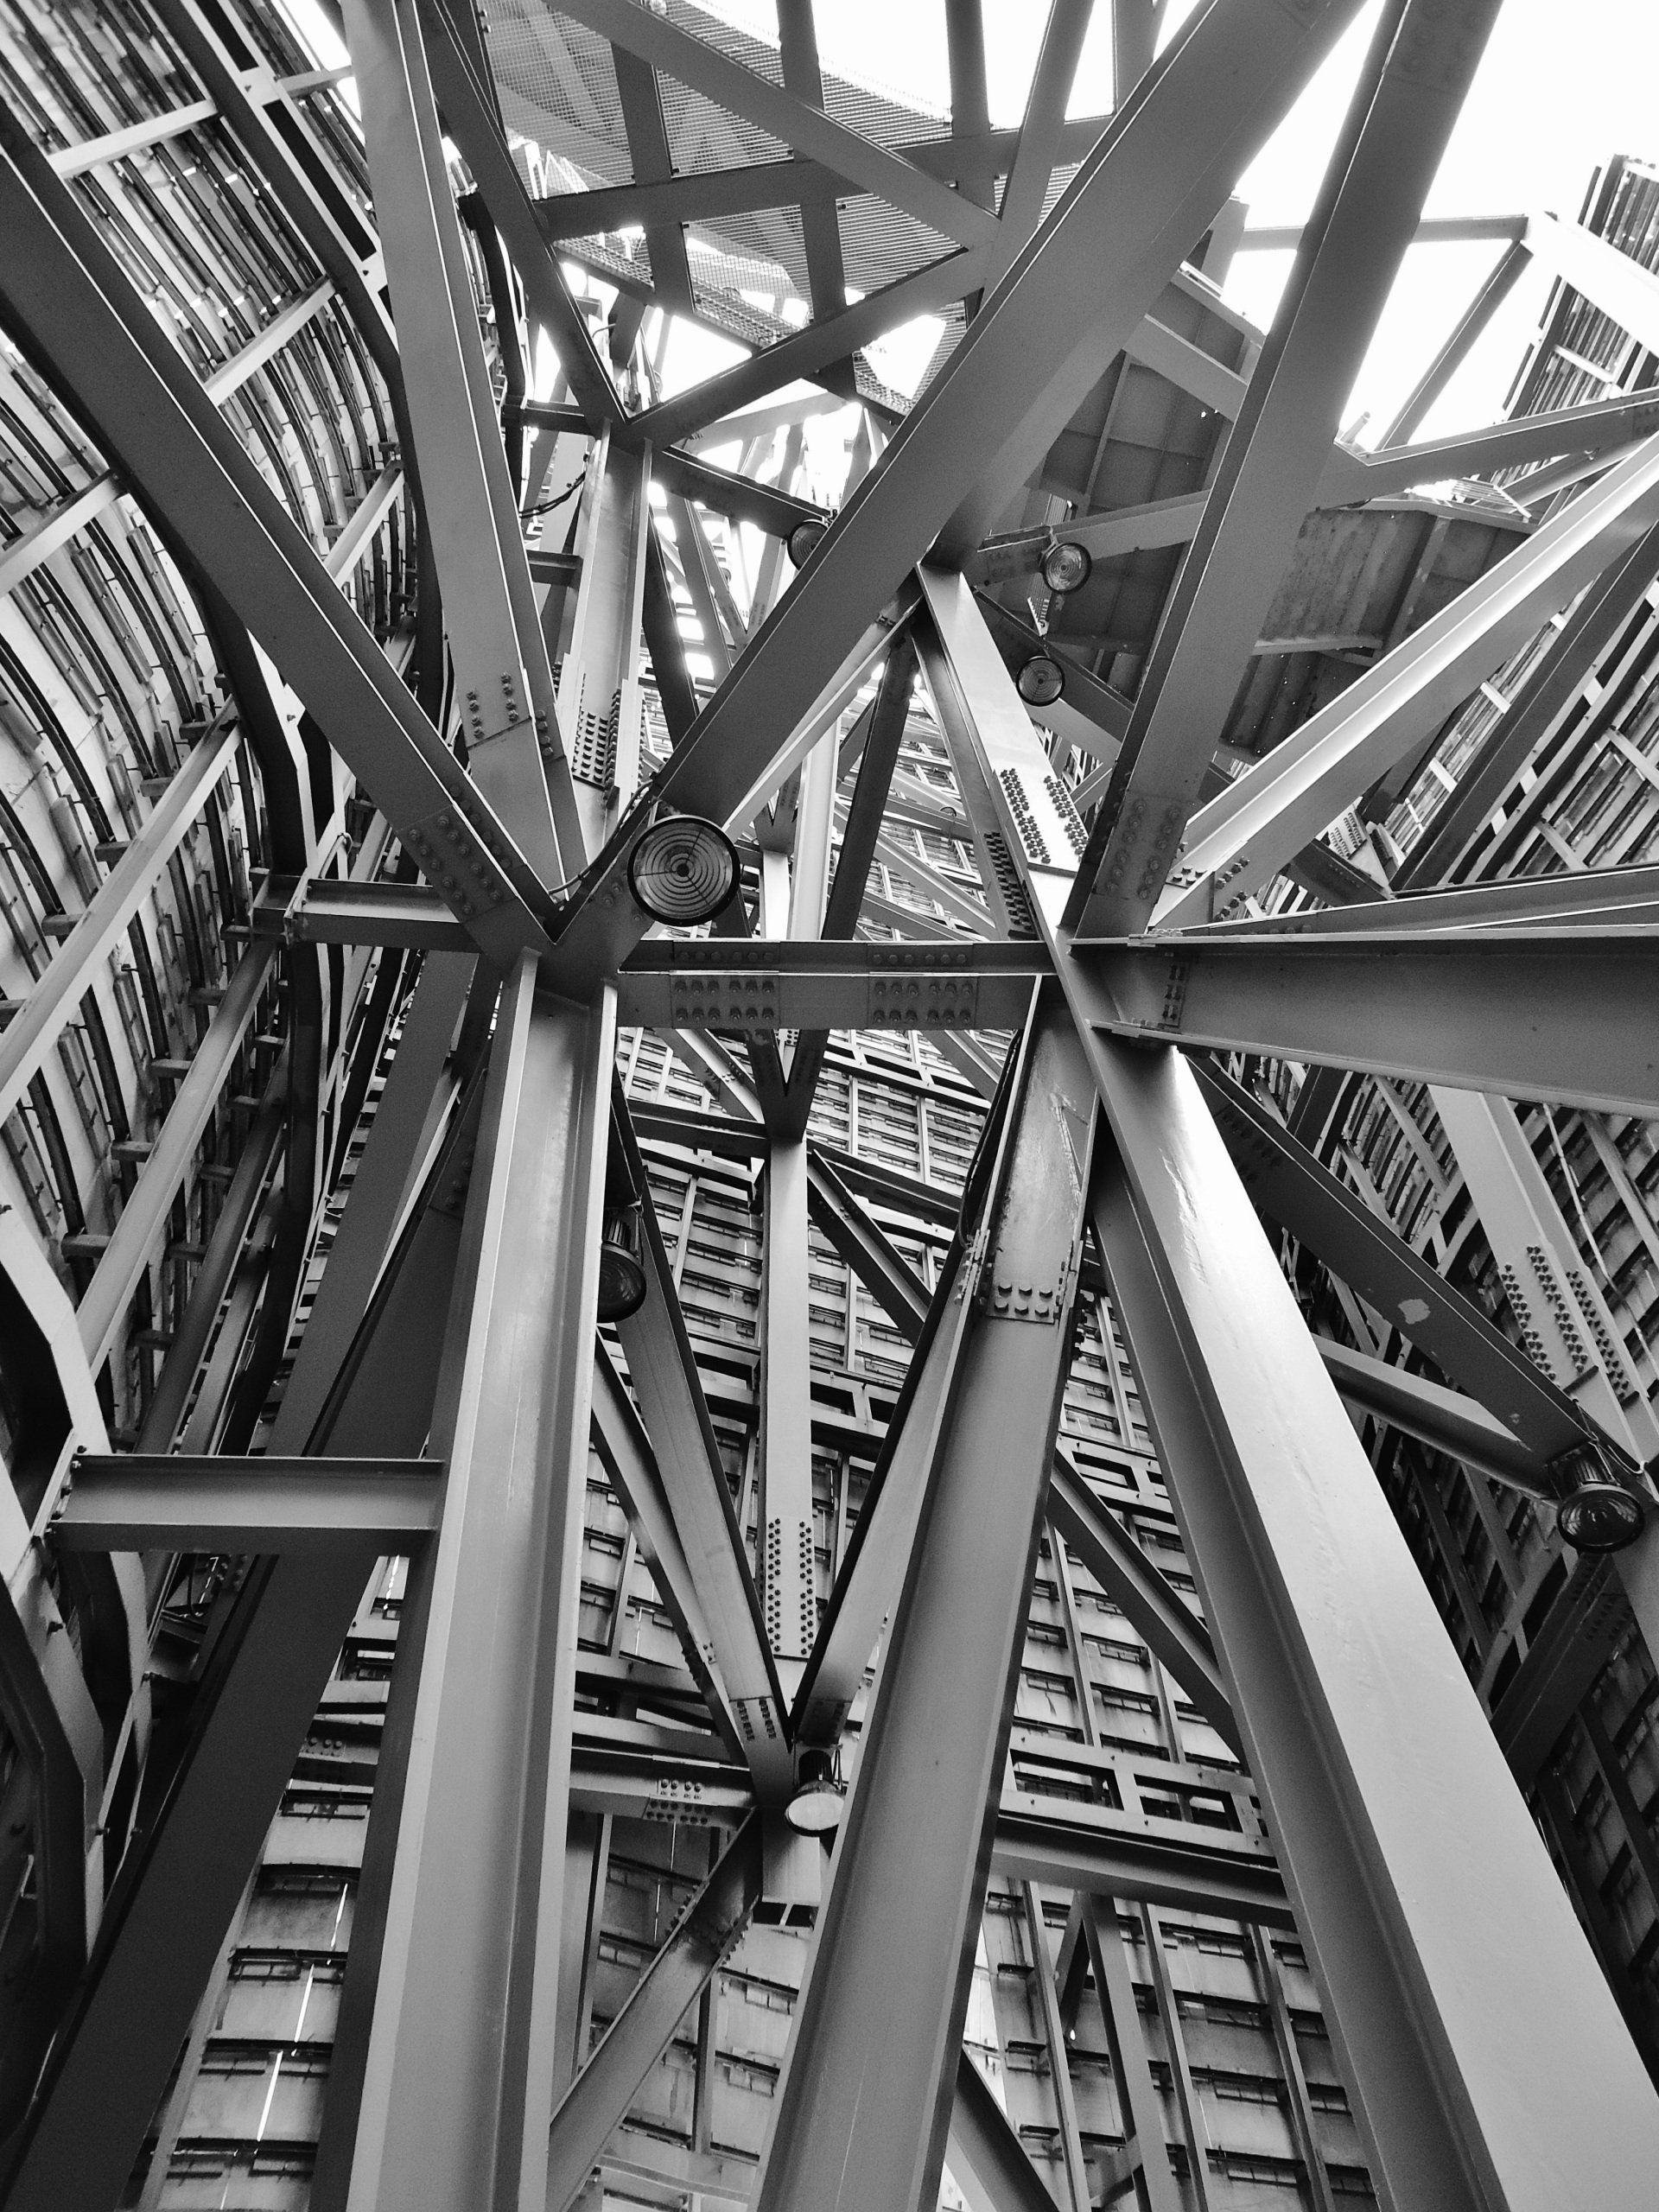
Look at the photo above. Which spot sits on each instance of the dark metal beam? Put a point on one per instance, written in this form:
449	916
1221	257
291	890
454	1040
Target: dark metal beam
137	1502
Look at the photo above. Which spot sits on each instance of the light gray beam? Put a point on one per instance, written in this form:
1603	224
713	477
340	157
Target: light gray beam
1147	1599
857	1240
707	1932
1107	1852
663	1373
1595	428
124	1258
1484	2073
969	160
1411	88
138	1502
1131	212
620	1440
864	2105
694	62
1499	283
471	119
502	679
459	1909
1251	830
761	984
1565	1015
106	354
987	2159
1300	1194
1540	705
1612	281
1576	899
1445	1418
1432	230
807	352
55	998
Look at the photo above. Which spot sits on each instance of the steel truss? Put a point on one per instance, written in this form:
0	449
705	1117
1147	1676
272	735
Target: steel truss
1011	1491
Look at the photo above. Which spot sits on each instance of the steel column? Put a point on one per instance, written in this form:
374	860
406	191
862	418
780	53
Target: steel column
861	2115
1489	2074
462	1883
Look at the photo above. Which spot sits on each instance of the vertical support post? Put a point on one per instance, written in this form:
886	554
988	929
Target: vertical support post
1142	2111
1078	2193
495	639
600	700
1272	1986
864	2108
788	1575
1187	2093
459	1917
1487	2073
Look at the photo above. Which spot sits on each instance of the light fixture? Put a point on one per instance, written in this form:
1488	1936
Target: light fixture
816	1808
622	1262
1040	680
1594	1511
1066	566
682	869
804	540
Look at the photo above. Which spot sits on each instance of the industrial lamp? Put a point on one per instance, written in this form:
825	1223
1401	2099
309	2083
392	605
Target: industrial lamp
1040	681
1066	566
682	869
815	1809
1594	1511
622	1262
804	540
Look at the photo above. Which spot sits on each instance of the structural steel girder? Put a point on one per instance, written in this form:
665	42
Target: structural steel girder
1128	215
1559	1013
107	355
1246	834
1360	1780
862	2112
1411	89
460	1899
133	1502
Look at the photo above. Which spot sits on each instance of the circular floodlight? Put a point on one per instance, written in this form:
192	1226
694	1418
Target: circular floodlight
1594	1512
1040	681
804	540
682	869
621	1263
1600	1516
1066	566
816	1808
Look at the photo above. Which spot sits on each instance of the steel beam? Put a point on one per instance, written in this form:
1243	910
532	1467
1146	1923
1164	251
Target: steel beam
1411	88
1591	898
664	1374
706	1933
1262	821
1128	217
38	1023
864	2106
1563	1014
1139	2101
625	1451
459	1914
124	1258
108	356
987	2161
502	677
1289	1183
1445	1418
785	1536
598	687
472	120
1485	2072
1147	1599
137	1501
694	62
183	1875
1102	1851
764	984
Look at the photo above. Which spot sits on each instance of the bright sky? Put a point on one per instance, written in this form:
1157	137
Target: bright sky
1561	88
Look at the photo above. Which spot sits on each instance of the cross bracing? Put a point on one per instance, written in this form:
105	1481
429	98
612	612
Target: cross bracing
1140	1185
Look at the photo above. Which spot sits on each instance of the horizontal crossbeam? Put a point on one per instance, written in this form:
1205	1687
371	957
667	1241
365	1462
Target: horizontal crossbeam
140	1501
1563	1014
